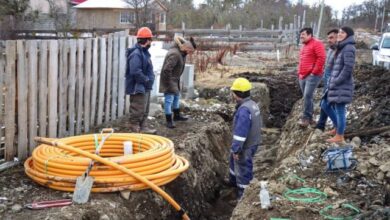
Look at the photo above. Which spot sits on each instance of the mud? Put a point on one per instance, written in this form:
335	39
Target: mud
298	161
203	142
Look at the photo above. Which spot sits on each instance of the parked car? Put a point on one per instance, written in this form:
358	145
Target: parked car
381	52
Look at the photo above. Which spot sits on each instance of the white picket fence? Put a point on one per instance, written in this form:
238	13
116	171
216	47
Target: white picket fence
58	88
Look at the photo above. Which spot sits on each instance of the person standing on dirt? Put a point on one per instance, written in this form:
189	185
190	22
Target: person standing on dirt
247	125
340	85
310	69
139	80
332	43
171	72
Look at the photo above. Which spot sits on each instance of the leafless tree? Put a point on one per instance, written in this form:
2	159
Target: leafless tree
141	11
13	14
62	18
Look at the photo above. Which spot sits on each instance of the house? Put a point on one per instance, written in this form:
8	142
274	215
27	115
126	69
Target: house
118	14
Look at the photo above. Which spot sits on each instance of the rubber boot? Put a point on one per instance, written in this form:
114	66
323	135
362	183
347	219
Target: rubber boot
336	139
177	116
170	123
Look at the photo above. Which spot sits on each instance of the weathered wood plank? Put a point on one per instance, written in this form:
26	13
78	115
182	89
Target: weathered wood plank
63	88
122	73
32	47
95	67
22	86
115	74
102	79
42	93
53	87
72	87
10	97
110	72
87	93
80	84
2	86
130	43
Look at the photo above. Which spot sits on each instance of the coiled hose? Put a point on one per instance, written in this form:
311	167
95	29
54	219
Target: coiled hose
58	162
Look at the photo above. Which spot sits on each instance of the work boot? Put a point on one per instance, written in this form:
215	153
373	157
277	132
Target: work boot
338	139
170	123
134	128
303	123
177	116
147	130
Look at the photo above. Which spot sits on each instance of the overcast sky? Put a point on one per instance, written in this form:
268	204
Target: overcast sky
337	5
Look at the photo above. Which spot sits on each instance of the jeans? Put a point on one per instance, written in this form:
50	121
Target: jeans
326	110
241	170
171	100
308	86
339	112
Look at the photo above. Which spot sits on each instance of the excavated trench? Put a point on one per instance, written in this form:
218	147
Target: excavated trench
204	141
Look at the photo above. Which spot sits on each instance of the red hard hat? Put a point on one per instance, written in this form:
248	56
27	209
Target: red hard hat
144	32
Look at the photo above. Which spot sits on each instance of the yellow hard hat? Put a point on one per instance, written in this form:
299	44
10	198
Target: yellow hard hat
241	85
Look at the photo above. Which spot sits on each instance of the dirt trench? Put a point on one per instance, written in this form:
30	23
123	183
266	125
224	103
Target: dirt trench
286	164
204	143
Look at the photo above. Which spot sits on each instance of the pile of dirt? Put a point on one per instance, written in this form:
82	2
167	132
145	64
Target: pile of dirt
284	92
299	161
205	143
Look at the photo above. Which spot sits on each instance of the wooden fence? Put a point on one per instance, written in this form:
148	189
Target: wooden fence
58	88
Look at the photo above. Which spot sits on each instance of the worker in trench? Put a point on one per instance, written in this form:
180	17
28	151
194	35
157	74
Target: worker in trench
139	81
171	72
247	125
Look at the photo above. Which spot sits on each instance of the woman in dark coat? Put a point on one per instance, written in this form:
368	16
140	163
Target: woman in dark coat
340	84
171	72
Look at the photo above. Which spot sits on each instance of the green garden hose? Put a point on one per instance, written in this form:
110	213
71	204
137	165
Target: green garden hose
345	206
320	196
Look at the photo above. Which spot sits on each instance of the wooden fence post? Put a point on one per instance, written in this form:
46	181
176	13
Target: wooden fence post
122	73
95	67
115	73
111	69
80	85
42	93
22	87
63	90
32	92
87	93
72	87
53	87
102	79
10	96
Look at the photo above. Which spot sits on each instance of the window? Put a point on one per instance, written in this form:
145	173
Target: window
127	17
386	43
162	18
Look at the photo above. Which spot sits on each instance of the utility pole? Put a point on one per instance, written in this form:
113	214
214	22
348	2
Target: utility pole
320	19
377	15
383	15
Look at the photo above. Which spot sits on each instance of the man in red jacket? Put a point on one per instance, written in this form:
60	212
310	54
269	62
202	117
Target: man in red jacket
310	69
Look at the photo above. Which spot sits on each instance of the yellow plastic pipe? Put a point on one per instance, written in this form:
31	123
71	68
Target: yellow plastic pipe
57	163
